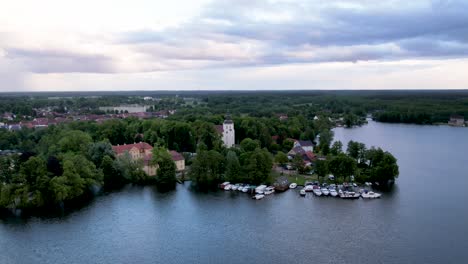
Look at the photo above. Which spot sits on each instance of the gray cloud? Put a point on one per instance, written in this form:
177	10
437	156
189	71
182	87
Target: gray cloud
319	31
57	61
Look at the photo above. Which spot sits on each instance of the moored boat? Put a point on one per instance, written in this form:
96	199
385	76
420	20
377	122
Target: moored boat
293	185
333	192
325	191
269	190
223	185
302	192
370	195
260	189
258	196
349	195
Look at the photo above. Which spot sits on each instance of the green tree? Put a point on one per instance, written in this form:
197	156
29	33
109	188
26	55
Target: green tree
356	150
336	148
281	158
249	144
206	169
97	151
74	141
259	166
321	168
298	163
166	172
342	166
233	168
326	137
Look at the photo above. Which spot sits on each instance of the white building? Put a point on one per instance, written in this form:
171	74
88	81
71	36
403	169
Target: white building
226	130
229	135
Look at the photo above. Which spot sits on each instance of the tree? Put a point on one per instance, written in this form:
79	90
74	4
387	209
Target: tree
259	166
233	169
382	166
206	169
281	158
166	172
326	137
74	141
299	164
321	168
249	144
97	151
336	148
356	150
342	166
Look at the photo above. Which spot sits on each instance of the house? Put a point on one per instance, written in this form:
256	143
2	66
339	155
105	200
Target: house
457	120
307	145
138	151
283	117
144	151
178	159
227	132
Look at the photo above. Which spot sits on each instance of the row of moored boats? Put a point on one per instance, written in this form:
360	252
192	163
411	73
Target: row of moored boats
259	191
341	191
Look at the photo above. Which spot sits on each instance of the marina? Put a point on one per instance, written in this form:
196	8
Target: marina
345	191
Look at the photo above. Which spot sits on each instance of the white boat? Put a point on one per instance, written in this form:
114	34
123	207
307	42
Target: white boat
245	189
234	187
269	190
309	188
370	195
350	195
333	192
302	192
293	185
258	196
227	187
260	189
354	184
224	184
318	192
325	191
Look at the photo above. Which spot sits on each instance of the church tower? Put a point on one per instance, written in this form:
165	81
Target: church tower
228	132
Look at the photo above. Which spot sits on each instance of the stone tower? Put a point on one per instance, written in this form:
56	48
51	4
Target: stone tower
228	132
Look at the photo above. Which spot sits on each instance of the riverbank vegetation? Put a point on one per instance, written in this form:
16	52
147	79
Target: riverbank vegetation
57	164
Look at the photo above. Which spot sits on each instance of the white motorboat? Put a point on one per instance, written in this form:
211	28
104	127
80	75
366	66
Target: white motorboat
325	191
227	187
350	195
318	192
224	184
269	190
293	185
260	189
245	189
234	187
333	192
309	188
370	195
258	196
302	192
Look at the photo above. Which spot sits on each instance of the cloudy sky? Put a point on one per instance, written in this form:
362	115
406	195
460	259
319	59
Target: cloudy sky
236	44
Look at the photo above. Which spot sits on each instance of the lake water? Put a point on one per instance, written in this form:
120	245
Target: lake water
423	220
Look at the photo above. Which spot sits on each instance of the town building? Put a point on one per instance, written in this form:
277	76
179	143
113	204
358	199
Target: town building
178	159
307	145
457	120
144	151
227	132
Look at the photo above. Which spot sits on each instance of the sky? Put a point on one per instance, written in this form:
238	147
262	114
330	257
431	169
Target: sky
110	45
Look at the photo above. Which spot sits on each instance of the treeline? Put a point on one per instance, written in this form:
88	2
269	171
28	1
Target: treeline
179	132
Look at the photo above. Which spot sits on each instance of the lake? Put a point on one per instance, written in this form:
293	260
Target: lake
424	219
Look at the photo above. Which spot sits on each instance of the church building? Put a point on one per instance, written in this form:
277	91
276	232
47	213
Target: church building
227	132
